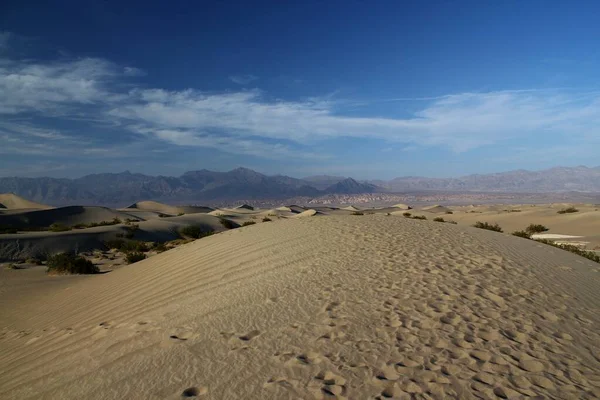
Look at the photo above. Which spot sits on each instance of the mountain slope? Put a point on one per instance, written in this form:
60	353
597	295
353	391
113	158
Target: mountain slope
351	186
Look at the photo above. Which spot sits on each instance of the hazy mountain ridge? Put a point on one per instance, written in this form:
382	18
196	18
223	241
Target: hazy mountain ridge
558	179
242	183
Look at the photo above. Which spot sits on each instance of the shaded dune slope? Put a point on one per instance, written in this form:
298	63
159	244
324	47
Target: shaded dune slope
69	216
10	201
357	307
167	209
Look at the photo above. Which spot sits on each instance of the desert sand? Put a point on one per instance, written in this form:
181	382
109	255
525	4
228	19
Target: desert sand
344	306
10	201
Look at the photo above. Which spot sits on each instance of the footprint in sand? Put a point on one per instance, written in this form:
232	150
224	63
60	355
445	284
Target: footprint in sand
194	391
250	335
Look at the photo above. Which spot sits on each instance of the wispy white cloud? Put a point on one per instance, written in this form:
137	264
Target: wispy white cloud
250	122
243	79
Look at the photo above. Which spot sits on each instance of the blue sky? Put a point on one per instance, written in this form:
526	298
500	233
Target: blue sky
362	89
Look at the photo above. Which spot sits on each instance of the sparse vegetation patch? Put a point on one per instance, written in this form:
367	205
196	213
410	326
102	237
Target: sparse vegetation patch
195	231
439	219
70	263
58	228
266	219
567	210
134	257
248	223
358	213
488	226
535	228
419	217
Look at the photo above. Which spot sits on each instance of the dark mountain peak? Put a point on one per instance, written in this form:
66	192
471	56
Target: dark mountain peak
351	186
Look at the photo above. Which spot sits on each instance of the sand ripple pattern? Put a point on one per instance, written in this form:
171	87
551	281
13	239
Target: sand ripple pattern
353	307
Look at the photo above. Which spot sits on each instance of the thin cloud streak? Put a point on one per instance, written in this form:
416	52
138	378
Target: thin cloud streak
247	122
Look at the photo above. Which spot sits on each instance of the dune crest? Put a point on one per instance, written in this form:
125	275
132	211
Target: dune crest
10	201
355	307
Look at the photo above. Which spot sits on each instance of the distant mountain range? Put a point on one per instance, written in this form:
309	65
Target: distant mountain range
242	183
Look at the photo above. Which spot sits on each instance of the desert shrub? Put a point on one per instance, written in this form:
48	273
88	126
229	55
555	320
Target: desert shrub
129	221
13	266
135	246
180	214
161	215
159	247
522	234
114	244
248	223
134	257
449	212
419	217
535	228
439	219
567	210
70	263
266	219
131	230
59	228
228	223
358	213
488	226
590	255
406	214
509	210
195	231
126	245
79	226
452	222
8	229
34	261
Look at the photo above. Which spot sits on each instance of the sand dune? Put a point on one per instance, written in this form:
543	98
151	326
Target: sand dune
345	306
70	215
40	244
402	206
167	209
436	209
11	201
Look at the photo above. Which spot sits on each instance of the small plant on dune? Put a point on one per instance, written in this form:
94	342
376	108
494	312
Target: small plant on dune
13	266
114	244
406	214
419	217
8	229
488	226
180	214
34	261
452	222
70	263
266	219
567	210
195	231
522	234
248	223
358	213
228	223
58	228
449	212
134	245
130	230
439	219
590	255
134	257
159	247
535	228
161	215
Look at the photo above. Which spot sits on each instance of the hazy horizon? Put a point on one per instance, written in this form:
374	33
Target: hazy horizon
373	178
